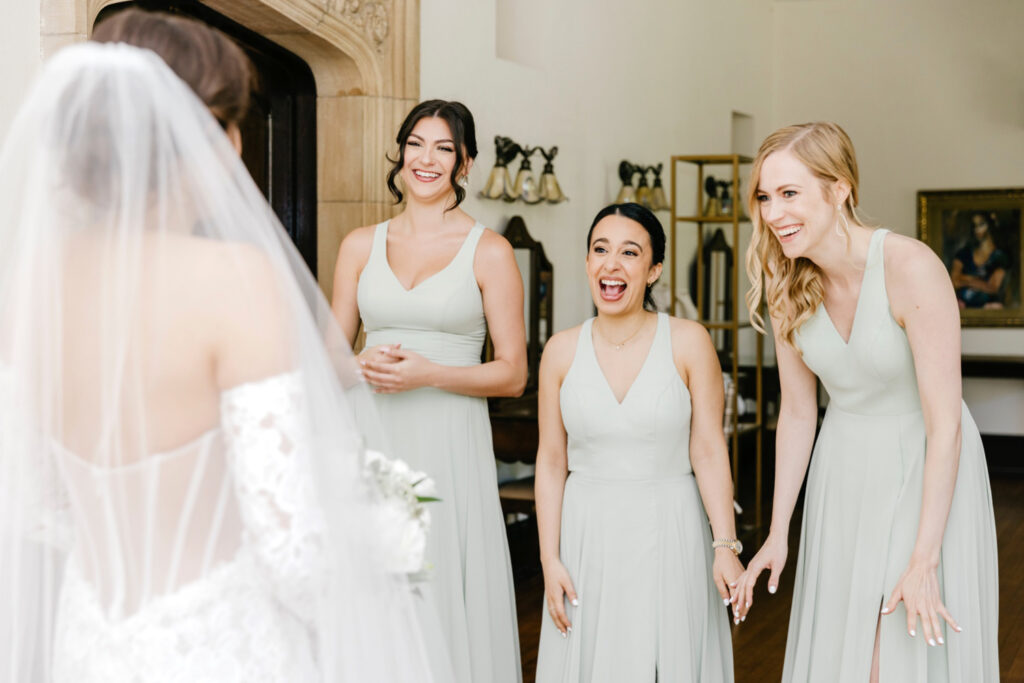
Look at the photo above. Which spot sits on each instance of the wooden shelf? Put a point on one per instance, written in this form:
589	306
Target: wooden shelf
725	325
713	158
712	219
724	333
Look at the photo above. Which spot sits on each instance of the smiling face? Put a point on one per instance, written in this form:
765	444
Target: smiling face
429	160
619	265
795	205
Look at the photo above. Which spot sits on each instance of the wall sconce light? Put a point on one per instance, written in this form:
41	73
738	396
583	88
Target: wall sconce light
657	197
627	193
499	183
525	188
643	191
550	190
653	197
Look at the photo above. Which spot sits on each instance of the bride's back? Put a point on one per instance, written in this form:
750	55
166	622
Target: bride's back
194	317
142	453
167	398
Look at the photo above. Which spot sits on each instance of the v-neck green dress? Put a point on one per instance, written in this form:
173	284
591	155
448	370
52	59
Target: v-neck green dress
861	513
448	436
634	535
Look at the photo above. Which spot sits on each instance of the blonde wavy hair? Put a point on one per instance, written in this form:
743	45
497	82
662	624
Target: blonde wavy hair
792	288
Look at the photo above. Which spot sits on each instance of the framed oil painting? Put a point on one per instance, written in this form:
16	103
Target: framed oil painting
979	235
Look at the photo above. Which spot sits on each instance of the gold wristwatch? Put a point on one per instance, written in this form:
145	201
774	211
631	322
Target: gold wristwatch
733	544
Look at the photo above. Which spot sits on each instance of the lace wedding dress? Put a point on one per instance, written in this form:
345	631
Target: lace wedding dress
148	294
226	588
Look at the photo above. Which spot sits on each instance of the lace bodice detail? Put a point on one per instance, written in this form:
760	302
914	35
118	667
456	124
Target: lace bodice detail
231	595
268	438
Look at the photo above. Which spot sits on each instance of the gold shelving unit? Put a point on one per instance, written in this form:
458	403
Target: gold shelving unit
733	324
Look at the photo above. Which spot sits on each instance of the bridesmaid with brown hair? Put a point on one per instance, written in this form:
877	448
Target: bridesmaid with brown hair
428	286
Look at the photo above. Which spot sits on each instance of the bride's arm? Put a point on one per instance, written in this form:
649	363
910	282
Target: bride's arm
267	432
268	438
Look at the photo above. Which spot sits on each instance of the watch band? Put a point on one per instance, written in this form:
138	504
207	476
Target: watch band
732	544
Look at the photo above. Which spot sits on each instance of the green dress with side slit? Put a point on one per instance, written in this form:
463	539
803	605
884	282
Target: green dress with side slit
861	513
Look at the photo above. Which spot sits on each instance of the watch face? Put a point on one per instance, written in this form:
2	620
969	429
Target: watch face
738	547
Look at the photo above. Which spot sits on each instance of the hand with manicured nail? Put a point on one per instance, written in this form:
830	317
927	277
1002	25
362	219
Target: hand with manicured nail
772	556
918	588
557	589
726	570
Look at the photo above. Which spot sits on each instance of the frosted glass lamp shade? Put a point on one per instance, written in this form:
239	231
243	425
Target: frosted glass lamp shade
626	194
498	183
657	197
550	190
525	187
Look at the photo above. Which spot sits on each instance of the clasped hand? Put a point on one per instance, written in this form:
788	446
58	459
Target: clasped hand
772	556
390	369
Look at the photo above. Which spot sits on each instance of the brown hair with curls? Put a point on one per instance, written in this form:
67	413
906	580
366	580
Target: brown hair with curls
792	287
212	64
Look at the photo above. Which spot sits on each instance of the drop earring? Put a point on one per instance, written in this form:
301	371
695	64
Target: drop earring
845	222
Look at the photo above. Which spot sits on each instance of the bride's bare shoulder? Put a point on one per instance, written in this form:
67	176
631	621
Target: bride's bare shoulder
234	284
247	304
223	269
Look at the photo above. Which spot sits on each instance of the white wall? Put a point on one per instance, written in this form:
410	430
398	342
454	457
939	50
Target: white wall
932	95
640	80
19	55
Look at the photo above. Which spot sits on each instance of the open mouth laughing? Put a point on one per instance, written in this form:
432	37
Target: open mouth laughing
612	289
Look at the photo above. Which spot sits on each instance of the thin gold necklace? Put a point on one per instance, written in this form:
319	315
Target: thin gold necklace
618	347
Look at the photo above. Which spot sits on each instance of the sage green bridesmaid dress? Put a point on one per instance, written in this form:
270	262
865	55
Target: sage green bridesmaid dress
448	436
634	535
861	513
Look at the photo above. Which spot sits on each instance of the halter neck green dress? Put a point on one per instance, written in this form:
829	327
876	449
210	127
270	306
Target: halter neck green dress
861	513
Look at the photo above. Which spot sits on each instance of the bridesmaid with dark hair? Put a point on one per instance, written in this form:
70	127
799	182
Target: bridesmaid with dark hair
632	462
429	285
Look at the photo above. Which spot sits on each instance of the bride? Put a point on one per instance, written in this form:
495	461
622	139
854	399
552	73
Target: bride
180	488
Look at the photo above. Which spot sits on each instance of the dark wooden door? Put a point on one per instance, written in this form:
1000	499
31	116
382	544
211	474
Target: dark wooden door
279	133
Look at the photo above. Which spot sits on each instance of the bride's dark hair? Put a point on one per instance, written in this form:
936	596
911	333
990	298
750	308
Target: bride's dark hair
212	64
460	123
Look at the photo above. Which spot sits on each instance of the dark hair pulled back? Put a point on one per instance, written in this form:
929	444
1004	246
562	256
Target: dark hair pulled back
649	222
212	64
460	123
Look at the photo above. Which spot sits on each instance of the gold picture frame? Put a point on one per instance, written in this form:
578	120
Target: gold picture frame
979	235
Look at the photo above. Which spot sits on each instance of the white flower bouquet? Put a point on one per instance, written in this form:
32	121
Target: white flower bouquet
402	520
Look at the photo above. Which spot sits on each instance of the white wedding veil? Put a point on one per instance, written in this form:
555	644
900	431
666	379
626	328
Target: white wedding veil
176	403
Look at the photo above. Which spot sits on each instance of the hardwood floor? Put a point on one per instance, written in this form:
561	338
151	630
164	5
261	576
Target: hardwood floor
759	643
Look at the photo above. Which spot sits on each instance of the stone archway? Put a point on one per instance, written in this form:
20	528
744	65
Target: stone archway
365	60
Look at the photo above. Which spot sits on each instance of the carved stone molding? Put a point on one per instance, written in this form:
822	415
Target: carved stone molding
364	55
370	16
